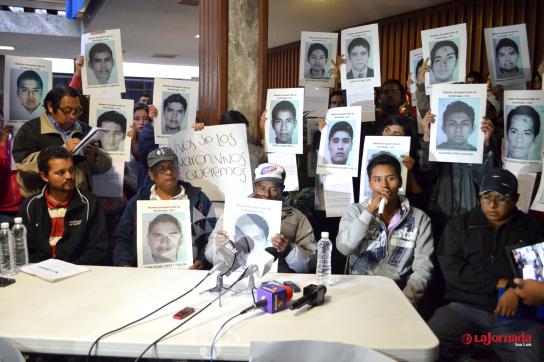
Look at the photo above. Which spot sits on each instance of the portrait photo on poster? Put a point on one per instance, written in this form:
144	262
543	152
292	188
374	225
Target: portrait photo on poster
340	139
163	238
28	90
444	60
174	110
523	138
508	60
317	63
359	58
458	126
100	63
114	130
283	123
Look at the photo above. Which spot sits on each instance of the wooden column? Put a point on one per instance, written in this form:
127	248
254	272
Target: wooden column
213	31
262	76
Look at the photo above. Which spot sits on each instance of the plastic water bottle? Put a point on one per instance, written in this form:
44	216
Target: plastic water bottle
20	243
7	259
324	251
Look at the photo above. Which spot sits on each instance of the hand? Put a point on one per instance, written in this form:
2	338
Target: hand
90	151
421	72
198	126
197	265
279	242
540	68
335	69
221	238
408	162
79	62
427	121
531	291
322	124
131	132
4	135
487	128
508	304
377	197
409	81
262	123
153	112
72	143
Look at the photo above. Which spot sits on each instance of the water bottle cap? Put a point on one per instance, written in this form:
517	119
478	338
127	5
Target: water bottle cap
18	220
324	234
4	225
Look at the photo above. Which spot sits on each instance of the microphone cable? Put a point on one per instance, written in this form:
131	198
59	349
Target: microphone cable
242	276
95	343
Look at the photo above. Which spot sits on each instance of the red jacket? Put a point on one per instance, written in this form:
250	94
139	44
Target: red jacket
10	197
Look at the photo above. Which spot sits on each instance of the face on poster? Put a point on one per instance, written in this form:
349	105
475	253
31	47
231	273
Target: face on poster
28	81
446	49
456	135
164	233
317	51
103	72
416	61
284	126
360	47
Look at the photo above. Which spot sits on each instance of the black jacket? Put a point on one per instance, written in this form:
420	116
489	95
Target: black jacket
124	252
473	257
85	237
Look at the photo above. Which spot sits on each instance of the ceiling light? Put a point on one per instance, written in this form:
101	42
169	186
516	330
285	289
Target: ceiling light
6	47
197	36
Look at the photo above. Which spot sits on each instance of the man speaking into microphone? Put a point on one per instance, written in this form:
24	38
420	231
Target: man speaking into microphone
396	243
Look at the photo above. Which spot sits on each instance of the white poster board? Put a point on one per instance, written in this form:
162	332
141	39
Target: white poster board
284	120
316	101
289	163
176	101
456	134
364	98
361	48
416	61
317	51
215	159
164	238
103	71
338	194
110	183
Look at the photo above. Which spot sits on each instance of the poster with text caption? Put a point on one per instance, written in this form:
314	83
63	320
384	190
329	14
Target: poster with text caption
316	101
289	163
396	146
446	49
361	49
176	101
416	61
215	159
455	135
164	238
317	51
364	98
523	116
26	83
339	146
102	73
508	56
110	183
284	120
114	118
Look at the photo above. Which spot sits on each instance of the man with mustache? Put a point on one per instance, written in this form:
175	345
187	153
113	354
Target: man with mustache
62	221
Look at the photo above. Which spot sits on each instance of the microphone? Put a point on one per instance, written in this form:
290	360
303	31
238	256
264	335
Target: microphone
273	251
381	206
272	297
233	253
312	294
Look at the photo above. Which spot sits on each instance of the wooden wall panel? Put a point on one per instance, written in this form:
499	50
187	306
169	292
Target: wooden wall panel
400	34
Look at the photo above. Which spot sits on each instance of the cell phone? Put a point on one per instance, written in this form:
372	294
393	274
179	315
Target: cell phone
4	282
184	313
527	260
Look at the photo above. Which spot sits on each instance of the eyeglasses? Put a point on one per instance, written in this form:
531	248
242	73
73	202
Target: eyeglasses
78	111
497	200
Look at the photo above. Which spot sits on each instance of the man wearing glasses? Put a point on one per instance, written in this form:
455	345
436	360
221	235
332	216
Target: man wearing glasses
57	126
167	185
479	284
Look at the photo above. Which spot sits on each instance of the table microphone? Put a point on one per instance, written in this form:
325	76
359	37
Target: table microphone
272	297
312	294
381	206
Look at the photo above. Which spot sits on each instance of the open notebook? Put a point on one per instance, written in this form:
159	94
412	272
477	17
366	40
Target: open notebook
53	270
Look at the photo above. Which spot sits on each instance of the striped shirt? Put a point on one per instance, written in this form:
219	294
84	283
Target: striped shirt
57	210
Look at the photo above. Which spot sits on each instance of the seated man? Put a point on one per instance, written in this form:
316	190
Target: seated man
475	265
57	126
63	222
295	246
164	173
398	243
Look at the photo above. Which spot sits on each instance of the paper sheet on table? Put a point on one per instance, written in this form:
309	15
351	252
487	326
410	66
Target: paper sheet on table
363	97
53	270
526	185
338	191
314	351
289	163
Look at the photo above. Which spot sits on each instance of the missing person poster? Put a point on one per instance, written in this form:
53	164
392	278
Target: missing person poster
338	195
317	51
508	56
26	83
523	115
396	146
284	120
456	136
215	159
252	221
339	146
446	49
164	234
103	70
176	102
114	118
416	61
361	49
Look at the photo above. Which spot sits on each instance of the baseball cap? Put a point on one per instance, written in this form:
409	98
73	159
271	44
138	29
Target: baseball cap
269	172
161	154
500	181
